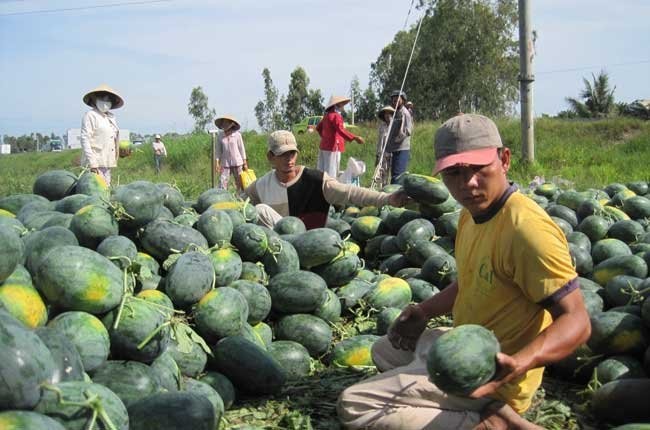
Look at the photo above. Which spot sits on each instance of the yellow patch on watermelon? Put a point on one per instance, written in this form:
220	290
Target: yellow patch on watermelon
602	276
352	247
10	423
359	357
224	253
389	284
100	181
209	296
6	213
431	179
24	303
352	210
84	209
616	213
625	340
96	288
227	205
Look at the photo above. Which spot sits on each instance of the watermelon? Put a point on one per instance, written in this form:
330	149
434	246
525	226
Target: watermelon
340	270
385	318
308	330
119	249
607	248
254	272
354	351
11	253
55	184
190	357
330	308
292	357
27	420
433	211
290	225
627	231
249	367
281	256
160	238
565	213
142	201
88	335
389	246
15	202
76	278
440	270
581	259
76	404
366	227
447	224
411	232
66	359
216	227
421	290
317	246
426	189
622	290
265	332
343	228
167	371
195	386
91	224
92	184
389	292
295	292
393	264
619	367
211	196
622	401
24	303
38	244
172	198
398	217
72	203
595	227
463	359
257	297
351	293
227	266
617	333
189	279
221	313
630	265
140	333
130	380
26	363
222	385
172	411
420	250
245	209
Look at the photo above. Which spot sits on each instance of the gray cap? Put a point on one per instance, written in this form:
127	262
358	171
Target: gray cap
466	139
397	93
282	141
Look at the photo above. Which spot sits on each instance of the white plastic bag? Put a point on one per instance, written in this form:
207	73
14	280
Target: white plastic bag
353	171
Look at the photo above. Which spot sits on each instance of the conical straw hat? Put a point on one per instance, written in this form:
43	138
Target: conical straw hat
334	100
219	121
103	88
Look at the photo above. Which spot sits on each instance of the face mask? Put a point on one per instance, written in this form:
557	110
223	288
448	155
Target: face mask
103	105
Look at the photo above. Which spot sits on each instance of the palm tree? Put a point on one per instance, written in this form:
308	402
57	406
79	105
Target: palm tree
597	96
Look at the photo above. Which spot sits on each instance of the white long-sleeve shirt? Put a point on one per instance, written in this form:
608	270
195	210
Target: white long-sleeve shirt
99	139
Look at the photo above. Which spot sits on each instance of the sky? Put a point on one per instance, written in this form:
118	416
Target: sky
153	52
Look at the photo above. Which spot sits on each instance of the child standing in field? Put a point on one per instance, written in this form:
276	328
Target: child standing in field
382	157
229	153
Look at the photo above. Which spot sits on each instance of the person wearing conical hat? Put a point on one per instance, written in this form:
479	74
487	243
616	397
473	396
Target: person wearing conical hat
333	136
382	157
230	154
159	152
99	131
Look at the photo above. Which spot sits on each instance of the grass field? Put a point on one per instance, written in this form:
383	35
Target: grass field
580	154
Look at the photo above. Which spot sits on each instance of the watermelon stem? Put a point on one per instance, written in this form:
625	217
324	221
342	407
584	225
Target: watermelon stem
126	292
153	333
93	402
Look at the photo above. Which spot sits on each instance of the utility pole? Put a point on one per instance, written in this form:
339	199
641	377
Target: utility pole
352	105
213	141
526	79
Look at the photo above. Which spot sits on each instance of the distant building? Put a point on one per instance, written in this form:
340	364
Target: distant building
5	148
73	137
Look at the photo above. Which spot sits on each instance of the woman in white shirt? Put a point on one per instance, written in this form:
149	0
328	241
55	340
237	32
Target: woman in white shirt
99	131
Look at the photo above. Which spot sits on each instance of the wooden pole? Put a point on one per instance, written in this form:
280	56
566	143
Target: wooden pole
526	79
213	134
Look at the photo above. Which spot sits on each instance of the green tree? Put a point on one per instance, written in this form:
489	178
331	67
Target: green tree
297	98
598	98
267	111
199	110
315	103
355	96
368	105
465	58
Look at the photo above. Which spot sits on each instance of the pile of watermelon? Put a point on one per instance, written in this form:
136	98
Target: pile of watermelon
134	308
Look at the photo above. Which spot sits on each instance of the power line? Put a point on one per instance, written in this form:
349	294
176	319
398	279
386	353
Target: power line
101	6
577	69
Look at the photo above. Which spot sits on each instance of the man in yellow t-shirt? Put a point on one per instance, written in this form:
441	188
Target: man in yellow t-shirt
515	278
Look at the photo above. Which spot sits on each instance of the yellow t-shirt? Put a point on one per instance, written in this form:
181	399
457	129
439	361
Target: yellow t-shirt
507	266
